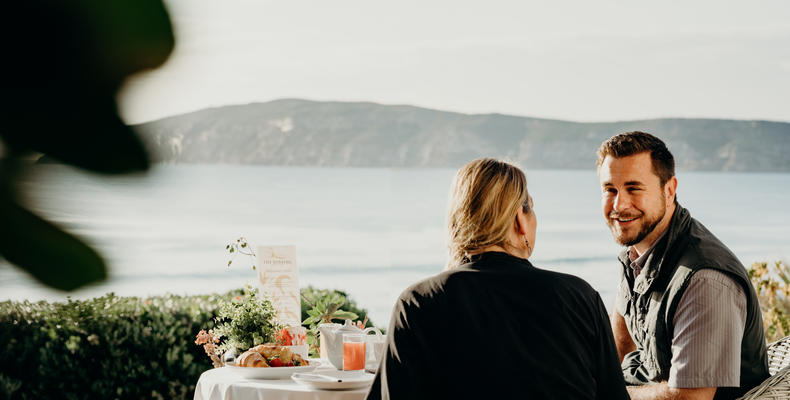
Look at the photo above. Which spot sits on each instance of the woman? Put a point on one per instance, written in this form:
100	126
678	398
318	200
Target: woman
493	324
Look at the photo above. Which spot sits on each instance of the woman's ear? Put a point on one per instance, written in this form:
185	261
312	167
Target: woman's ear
520	224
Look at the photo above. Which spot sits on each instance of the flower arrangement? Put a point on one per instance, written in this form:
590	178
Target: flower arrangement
246	321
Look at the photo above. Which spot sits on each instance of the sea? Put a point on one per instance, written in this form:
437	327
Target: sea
370	232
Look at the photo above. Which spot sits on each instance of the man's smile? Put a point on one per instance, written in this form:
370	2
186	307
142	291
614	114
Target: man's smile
625	221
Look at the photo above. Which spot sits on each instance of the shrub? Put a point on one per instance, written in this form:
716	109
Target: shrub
773	289
106	347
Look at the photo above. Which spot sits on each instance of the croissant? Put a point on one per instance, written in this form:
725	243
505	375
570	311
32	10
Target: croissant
268	350
251	359
260	348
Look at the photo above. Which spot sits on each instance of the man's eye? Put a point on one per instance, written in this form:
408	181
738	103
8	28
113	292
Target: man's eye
634	189
610	191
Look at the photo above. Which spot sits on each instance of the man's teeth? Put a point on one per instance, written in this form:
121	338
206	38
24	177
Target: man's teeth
625	220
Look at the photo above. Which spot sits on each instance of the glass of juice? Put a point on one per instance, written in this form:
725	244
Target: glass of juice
353	352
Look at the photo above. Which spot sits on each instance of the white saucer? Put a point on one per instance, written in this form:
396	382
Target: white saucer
268	373
334	380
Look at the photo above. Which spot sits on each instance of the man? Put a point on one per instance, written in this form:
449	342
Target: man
687	322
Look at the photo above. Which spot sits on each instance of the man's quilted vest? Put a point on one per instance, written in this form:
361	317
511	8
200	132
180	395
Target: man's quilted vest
652	299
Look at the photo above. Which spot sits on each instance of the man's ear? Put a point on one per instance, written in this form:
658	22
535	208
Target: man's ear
670	188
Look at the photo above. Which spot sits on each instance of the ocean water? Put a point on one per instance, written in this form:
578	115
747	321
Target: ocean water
370	232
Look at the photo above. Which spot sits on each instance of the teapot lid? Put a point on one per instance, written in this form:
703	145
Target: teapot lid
349	327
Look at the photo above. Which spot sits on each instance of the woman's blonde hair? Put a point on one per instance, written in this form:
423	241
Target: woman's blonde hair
484	201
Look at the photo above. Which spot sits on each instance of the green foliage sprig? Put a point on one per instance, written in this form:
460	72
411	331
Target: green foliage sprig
240	246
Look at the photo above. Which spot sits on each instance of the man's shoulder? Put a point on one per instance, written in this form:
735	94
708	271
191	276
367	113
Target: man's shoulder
704	250
714	277
710	285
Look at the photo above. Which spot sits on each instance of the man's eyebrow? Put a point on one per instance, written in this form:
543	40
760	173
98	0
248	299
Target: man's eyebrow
634	183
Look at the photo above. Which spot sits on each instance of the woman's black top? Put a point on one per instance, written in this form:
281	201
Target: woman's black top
498	326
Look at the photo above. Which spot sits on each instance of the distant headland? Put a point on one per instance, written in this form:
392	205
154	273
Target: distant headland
293	132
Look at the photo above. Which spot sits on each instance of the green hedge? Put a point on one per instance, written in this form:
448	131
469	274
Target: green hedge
109	347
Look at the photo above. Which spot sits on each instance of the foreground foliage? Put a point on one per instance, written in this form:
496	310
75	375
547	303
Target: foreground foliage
64	63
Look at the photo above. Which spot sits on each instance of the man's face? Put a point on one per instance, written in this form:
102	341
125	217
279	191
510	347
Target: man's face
633	200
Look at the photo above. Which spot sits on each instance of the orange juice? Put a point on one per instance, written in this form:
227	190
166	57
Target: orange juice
353	356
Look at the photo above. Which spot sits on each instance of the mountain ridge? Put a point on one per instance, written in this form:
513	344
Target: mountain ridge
295	132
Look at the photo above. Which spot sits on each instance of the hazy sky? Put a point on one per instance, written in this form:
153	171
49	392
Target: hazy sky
575	60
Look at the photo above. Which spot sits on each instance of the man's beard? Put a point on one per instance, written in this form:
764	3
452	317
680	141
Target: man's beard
648	226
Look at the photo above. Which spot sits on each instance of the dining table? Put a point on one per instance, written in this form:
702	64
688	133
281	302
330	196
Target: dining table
225	384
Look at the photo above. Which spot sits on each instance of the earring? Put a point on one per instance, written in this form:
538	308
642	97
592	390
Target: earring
529	248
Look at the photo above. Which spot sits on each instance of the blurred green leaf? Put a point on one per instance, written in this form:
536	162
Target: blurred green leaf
63	65
52	256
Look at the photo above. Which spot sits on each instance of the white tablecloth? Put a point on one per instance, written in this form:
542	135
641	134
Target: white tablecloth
223	384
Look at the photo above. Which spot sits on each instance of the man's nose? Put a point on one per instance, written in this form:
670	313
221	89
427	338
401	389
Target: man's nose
621	202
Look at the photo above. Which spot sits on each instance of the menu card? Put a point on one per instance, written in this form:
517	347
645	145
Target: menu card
279	279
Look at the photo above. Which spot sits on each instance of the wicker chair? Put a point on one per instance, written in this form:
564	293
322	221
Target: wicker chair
778	385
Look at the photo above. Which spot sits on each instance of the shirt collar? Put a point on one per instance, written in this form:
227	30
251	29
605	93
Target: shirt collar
638	262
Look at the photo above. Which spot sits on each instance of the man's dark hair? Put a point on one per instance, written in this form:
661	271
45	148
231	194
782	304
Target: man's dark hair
630	143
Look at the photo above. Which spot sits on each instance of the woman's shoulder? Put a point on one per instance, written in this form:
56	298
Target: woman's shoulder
428	287
436	288
510	265
471	275
571	282
570	290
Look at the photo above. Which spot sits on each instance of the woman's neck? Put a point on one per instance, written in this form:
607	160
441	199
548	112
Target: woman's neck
513	252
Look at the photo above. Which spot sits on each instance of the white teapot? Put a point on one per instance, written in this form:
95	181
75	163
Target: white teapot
332	339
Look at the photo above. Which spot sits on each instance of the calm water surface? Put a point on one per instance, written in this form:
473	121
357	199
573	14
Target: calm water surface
370	232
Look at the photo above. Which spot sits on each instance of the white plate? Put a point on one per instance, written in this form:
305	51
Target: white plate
271	372
348	380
